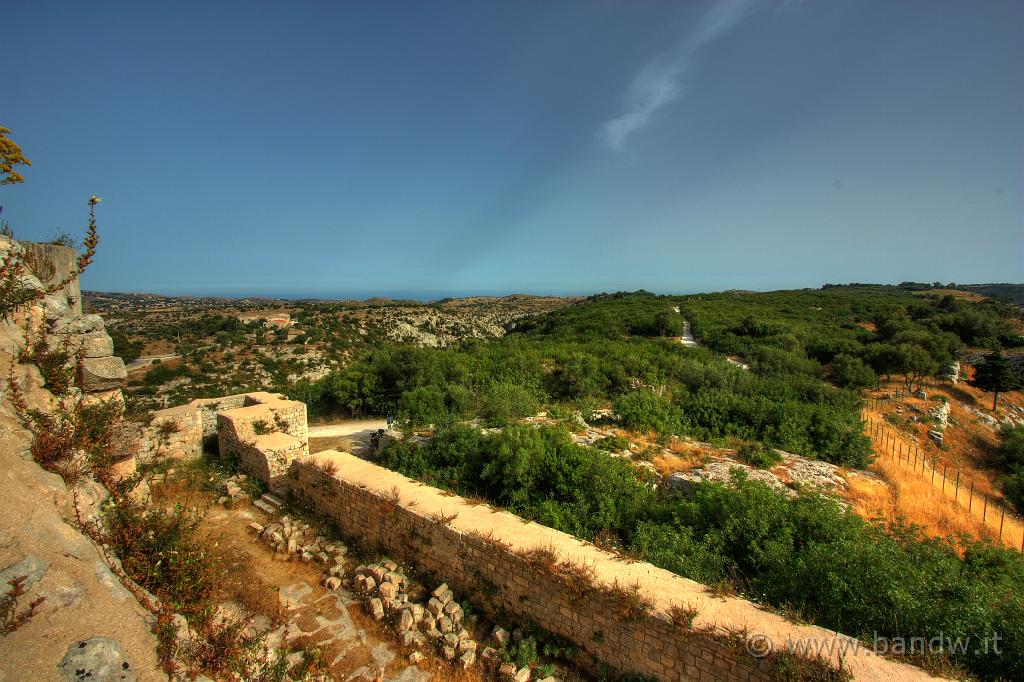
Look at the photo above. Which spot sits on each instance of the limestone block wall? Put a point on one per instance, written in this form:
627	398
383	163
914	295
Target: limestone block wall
183	431
58	317
265	437
486	554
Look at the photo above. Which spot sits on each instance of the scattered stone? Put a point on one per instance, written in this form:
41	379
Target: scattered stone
500	636
377	609
406	621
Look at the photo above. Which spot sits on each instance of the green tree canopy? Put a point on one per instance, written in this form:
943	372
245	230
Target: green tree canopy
995	375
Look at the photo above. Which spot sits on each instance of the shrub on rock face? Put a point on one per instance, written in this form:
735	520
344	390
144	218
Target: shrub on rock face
759	455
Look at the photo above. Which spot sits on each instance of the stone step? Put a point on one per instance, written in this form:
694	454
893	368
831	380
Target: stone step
264	507
272	500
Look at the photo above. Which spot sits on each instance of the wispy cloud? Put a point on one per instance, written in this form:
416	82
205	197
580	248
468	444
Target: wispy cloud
667	77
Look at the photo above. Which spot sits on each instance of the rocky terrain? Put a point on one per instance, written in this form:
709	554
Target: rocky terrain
180	348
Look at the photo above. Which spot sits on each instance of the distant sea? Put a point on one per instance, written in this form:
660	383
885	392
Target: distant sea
423	295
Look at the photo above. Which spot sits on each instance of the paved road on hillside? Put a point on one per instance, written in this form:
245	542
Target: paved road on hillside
360	428
688	340
146	362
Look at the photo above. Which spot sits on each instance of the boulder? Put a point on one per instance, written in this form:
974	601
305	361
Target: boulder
98	345
98	659
102	374
78	325
55	306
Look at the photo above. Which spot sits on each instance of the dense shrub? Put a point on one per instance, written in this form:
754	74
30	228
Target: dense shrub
644	410
1009	457
805	554
852	372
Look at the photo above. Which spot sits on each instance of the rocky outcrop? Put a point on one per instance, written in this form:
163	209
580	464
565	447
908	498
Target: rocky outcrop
101	374
791	474
88	625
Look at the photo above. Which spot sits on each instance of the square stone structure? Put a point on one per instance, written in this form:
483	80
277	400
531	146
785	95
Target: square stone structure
264	436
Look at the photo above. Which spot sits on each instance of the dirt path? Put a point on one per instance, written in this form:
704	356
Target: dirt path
347	436
357	428
146	362
292	593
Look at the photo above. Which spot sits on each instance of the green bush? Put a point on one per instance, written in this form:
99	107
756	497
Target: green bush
646	411
759	455
1009	457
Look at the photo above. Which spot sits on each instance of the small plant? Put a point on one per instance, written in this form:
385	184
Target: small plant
759	455
10	618
261	427
43	269
543	559
523	654
16	292
627	601
72	440
612	443
327	466
166	429
56	363
683	616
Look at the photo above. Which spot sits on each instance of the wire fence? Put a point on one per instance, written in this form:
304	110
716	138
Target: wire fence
1001	522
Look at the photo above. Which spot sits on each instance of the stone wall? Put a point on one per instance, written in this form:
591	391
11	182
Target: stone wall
486	554
265	437
58	317
186	430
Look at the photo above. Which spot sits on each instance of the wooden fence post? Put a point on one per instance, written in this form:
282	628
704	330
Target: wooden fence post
970	505
1002	518
944	477
956	495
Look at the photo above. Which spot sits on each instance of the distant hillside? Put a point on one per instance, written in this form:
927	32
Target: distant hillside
1014	293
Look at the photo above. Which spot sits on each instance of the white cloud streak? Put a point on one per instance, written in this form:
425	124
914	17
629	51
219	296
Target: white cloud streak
667	77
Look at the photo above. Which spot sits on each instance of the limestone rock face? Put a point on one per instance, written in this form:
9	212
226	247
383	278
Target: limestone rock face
102	374
56	306
78	325
98	345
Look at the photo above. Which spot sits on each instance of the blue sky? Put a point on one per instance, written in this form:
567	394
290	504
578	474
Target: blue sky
428	148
